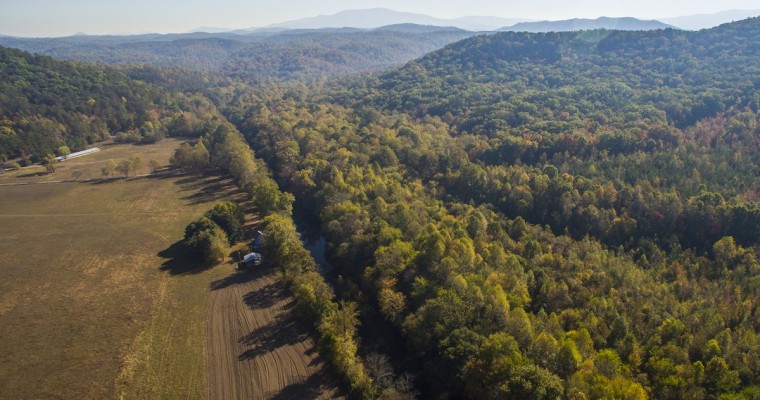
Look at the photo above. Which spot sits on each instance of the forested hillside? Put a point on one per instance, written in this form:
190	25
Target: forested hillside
47	104
258	56
668	118
688	75
542	216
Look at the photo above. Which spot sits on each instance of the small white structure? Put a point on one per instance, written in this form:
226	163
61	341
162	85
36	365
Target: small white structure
252	259
78	154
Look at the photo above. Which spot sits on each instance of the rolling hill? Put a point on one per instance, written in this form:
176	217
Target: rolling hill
46	104
481	73
259	56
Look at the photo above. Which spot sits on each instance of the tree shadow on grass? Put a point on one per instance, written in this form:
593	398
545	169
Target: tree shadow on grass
238	277
207	188
193	181
164	174
32	174
265	297
107	179
179	260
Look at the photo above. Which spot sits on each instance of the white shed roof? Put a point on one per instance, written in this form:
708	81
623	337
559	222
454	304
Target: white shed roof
252	257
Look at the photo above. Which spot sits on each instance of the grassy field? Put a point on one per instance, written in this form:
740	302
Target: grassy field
86	309
89	166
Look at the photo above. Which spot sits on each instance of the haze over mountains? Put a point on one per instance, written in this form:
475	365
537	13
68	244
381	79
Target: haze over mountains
256	56
703	21
322	46
373	18
377	17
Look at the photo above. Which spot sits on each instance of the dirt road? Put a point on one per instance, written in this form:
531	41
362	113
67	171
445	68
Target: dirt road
256	347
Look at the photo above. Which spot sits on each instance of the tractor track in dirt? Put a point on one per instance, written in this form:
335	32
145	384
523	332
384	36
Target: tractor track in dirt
257	349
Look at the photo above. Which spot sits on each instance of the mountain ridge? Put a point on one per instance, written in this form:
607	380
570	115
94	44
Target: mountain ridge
578	24
376	17
574	59
706	21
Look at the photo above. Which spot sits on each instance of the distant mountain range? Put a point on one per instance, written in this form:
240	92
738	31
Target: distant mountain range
381	17
414	28
377	17
323	46
621	24
704	21
373	18
261	55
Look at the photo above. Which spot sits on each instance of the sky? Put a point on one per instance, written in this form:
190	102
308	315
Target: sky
50	18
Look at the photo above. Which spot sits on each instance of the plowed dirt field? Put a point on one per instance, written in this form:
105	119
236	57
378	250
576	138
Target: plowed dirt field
256	347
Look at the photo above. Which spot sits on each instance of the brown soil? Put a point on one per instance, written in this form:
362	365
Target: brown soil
256	347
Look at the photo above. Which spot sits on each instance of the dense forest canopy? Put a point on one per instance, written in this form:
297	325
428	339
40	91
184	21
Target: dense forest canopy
564	215
537	216
664	117
689	75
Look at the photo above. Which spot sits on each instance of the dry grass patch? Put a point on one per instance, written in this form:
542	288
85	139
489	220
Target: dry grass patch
89	166
81	290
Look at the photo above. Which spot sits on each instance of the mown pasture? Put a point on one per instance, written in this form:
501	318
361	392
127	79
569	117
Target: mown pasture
88	308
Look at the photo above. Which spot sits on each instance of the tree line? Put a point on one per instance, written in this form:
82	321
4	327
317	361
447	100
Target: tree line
209	238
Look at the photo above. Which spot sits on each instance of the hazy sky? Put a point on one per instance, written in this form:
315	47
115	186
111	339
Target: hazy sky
65	17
